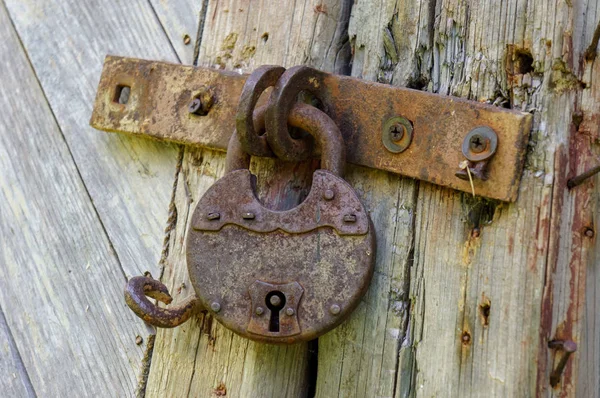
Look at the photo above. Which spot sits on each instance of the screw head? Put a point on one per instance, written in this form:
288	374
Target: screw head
248	216
477	143
289	311
480	144
275	300
202	102
349	218
589	232
259	311
335	309
213	216
396	132
215	306
328	194
195	106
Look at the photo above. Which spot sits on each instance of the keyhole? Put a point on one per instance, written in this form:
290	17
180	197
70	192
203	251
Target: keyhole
275	301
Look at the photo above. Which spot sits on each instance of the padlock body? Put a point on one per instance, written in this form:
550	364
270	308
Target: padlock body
317	259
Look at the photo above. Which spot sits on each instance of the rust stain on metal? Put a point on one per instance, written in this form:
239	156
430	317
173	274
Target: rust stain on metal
273	276
233	204
139	287
161	93
276	275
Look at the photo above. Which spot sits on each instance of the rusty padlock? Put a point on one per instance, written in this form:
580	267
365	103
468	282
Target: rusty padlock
273	276
282	276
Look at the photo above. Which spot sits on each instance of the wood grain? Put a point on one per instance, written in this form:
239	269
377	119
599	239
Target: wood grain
476	300
201	357
466	293
181	19
14	380
61	289
129	180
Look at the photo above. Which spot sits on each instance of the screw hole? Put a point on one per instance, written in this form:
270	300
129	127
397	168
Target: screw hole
523	61
484	311
466	338
122	94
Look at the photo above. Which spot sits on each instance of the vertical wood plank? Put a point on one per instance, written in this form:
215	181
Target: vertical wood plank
474	292
14	380
129	180
201	357
361	357
61	282
180	20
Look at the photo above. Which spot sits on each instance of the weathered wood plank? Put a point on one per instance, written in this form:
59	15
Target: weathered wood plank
14	380
475	298
584	378
500	276
361	358
202	357
61	281
129	180
180	20
589	348
588	354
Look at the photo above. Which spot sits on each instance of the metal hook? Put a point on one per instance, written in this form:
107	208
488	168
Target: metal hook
140	287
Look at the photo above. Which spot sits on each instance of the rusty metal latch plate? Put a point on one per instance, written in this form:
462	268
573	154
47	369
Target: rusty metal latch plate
160	93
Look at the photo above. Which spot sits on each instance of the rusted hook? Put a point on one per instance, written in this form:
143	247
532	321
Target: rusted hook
139	287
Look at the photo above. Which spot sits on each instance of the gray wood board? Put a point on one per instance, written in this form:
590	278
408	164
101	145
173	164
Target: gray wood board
181	18
129	180
61	281
201	357
14	380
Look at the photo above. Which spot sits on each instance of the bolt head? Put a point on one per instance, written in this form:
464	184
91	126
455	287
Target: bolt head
215	306
397	131
275	300
259	311
335	309
329	194
589	232
290	311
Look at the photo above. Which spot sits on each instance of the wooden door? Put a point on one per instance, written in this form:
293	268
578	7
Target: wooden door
466	293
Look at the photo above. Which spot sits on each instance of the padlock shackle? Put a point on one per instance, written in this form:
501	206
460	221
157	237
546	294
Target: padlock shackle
326	133
309	119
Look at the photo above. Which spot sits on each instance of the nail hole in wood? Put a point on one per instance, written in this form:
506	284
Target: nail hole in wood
466	338
484	312
523	61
